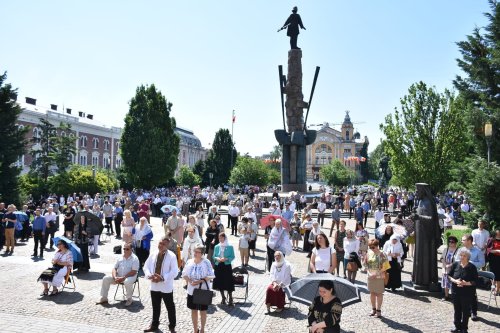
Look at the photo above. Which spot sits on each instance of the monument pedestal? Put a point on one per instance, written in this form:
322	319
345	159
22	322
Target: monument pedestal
433	290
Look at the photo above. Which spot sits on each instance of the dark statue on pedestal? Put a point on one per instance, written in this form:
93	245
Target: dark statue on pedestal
294	137
427	240
292	24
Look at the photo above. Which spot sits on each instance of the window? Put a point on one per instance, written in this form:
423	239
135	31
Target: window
106	161
83	160
323	154
117	145
118	162
83	141
347	135
20	161
95	160
95	143
63	134
106	144
37	134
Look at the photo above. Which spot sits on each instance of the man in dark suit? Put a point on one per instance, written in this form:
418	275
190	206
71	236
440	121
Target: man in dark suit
292	24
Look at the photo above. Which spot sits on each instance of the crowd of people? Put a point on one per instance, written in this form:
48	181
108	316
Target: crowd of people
195	245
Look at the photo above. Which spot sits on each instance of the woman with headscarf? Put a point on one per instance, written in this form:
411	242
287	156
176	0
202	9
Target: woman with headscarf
189	244
394	251
386	236
54	276
200	219
281	275
81	235
223	257
279	240
191	222
142	240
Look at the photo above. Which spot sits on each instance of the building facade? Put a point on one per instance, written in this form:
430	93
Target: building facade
344	145
96	144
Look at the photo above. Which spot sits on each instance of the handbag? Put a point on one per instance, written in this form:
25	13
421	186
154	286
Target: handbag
203	296
352	266
238	279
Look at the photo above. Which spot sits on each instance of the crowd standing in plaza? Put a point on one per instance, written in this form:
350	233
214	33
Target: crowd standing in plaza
195	244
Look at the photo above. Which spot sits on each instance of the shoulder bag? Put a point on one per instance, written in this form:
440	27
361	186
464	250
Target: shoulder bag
202	296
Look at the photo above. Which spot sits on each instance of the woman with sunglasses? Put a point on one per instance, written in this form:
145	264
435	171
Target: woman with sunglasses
198	273
377	264
54	276
447	260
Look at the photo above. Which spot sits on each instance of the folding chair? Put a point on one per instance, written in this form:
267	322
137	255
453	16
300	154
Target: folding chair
69	279
136	283
493	290
241	271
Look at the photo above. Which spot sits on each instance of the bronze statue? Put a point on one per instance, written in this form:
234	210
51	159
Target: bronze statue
292	23
427	241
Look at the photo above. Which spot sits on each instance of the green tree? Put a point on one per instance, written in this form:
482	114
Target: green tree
64	147
187	177
337	174
219	157
480	86
13	142
274	177
81	179
250	171
149	144
373	161
43	150
425	137
484	179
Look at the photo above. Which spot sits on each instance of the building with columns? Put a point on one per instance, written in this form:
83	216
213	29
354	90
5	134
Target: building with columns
344	145
98	144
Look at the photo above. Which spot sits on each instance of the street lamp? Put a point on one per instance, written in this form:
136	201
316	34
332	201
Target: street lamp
488	133
93	172
210	175
109	170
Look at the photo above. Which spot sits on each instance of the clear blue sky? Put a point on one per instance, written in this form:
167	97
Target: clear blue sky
210	57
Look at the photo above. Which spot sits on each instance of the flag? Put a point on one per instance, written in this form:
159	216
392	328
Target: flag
234	117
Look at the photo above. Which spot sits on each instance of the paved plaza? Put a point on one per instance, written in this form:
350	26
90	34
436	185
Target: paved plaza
24	311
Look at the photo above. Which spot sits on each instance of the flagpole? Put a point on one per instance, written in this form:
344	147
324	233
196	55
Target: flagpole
232	139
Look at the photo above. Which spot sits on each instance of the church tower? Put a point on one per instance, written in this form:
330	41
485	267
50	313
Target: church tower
347	128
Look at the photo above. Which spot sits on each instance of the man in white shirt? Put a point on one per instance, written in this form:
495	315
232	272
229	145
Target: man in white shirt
321	212
161	269
125	271
50	226
465	207
250	215
233	212
480	236
379	216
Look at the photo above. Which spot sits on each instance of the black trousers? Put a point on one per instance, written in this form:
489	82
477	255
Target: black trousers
321	218
366	218
473	304
351	211
109	224
234	225
39	241
168	299
270	257
230	219
49	232
118	225
461	306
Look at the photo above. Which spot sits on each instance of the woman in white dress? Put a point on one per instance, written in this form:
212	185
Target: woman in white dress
189	245
54	276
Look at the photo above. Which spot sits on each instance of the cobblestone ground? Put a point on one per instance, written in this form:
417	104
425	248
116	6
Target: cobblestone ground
24	311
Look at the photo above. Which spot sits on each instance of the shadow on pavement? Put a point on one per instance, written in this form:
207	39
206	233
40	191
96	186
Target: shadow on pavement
398	326
65	297
89	276
489	322
255	270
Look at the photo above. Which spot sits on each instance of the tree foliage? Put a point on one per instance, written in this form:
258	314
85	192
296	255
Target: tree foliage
43	150
425	137
64	147
480	87
250	171
149	144
364	166
219	157
12	142
484	179
187	177
337	174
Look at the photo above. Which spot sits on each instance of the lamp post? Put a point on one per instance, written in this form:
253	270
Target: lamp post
488	133
93	172
210	175
109	170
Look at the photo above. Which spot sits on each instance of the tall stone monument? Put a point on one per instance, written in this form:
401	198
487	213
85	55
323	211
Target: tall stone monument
294	137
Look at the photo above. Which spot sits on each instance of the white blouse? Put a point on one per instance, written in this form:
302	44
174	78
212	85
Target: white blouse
281	275
323	258
350	245
196	272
